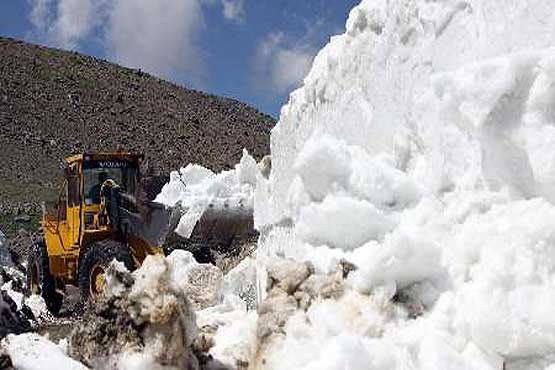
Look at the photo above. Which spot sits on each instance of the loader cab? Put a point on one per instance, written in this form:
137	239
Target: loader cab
76	218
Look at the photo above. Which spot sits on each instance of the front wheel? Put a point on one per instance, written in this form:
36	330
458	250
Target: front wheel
95	262
39	279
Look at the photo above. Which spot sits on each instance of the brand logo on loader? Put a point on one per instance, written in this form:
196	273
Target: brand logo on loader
112	164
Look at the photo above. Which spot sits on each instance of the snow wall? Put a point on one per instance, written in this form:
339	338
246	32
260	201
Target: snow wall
421	147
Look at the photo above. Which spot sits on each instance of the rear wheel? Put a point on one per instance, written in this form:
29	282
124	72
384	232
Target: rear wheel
39	279
95	262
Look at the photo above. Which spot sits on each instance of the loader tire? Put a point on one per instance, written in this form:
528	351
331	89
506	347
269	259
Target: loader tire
39	279
95	262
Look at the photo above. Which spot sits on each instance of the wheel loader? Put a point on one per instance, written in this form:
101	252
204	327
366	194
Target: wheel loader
99	216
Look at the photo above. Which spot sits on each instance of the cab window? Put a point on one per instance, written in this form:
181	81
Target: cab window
122	173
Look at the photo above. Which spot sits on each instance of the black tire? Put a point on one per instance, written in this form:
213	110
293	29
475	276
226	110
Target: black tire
40	280
96	259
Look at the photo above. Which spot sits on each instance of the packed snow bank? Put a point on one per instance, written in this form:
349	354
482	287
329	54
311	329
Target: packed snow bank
421	148
197	189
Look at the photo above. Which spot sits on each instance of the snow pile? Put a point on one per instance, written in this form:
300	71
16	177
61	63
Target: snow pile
33	352
37	305
421	148
195	189
148	319
145	320
293	288
16	295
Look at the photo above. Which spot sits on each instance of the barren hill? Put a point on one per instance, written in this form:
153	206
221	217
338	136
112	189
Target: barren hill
40	122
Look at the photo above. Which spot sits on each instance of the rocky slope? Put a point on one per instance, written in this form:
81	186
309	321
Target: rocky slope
54	103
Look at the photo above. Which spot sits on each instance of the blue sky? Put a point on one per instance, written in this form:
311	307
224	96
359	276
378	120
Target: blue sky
255	51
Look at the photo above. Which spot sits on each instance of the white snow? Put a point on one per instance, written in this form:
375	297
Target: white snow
423	151
38	306
33	352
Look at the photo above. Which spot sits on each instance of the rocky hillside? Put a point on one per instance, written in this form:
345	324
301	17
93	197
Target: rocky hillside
54	103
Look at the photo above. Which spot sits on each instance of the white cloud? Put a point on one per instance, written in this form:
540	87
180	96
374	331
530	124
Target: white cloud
40	14
73	22
281	65
234	10
157	36
62	23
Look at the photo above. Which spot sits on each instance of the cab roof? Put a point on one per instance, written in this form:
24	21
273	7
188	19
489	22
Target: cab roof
102	156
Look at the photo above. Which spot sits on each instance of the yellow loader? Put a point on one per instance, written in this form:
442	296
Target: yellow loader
98	217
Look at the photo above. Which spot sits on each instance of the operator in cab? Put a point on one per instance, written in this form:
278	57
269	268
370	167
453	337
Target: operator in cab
94	193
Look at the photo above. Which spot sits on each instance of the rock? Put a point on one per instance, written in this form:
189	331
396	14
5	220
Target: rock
6	362
12	320
22	218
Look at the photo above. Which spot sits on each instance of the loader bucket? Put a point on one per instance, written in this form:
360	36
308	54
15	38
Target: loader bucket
219	227
143	219
152	223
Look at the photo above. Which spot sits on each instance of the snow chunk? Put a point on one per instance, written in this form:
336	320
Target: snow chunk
196	189
342	222
247	170
241	282
201	283
231	329
33	352
323	165
38	306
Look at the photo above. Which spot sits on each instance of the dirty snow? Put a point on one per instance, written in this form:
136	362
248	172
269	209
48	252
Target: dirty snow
233	330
